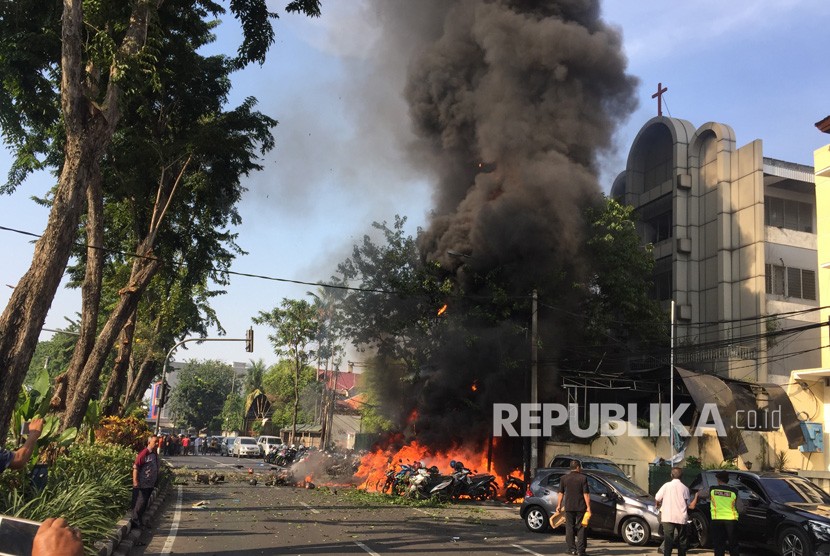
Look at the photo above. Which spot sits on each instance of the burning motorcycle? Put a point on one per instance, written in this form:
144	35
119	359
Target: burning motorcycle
423	481
514	488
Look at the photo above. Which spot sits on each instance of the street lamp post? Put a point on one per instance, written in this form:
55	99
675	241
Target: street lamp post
249	342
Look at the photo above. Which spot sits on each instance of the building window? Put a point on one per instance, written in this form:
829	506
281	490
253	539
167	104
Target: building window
785	213
659	228
663	286
790	282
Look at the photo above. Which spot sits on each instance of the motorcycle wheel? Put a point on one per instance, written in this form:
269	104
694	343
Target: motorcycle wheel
441	496
512	494
492	492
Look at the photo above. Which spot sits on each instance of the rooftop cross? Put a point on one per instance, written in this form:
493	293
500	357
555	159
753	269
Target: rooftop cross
659	96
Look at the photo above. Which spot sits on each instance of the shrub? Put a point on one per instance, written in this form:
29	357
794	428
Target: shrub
90	487
131	432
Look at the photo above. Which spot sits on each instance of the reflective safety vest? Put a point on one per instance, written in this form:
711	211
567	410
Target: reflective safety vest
722	500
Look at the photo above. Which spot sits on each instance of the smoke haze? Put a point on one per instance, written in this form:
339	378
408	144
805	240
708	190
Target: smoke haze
511	103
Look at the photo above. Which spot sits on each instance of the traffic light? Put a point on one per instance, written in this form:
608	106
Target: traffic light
249	340
165	392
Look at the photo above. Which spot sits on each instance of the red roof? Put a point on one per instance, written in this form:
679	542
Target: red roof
346	381
355	402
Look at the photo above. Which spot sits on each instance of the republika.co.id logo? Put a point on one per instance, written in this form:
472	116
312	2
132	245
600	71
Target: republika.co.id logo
612	419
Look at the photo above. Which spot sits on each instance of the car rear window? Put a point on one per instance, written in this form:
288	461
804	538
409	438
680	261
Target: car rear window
794	489
607	467
627	488
247	441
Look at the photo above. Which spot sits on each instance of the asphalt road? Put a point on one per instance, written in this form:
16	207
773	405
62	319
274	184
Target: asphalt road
236	518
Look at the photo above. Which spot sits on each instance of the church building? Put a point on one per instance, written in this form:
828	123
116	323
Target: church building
733	234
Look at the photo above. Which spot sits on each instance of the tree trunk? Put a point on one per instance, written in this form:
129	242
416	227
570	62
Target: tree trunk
144	268
91	289
89	129
118	378
298	367
147	371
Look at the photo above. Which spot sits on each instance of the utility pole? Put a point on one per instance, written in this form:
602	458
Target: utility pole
534	378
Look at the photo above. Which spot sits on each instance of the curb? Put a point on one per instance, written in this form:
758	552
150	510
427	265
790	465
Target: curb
123	537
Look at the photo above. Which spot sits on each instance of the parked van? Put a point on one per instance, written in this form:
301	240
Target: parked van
266	442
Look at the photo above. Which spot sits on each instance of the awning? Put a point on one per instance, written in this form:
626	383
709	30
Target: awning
732	396
779	400
707	389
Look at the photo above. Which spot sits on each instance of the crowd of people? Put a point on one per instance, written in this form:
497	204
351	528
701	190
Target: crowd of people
184	445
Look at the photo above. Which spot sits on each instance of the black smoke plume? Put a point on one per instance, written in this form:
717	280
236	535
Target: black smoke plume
511	102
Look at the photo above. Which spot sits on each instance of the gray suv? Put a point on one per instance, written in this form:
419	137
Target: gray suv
618	506
588	462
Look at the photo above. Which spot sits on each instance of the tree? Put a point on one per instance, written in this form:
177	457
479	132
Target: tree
330	349
253	379
233	413
199	397
295	327
66	76
619	317
53	354
278	382
396	307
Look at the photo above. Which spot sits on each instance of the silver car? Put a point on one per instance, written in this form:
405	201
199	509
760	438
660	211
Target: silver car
618	506
245	446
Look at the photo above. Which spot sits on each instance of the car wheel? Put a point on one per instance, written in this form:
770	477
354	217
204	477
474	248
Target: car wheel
793	542
700	529
536	519
635	531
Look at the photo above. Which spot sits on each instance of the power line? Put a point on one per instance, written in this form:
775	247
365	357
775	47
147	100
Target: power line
229	272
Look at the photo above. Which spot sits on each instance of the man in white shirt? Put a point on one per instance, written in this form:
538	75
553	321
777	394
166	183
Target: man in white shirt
673	500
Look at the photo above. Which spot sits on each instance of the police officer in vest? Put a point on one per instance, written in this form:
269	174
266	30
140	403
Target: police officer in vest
723	500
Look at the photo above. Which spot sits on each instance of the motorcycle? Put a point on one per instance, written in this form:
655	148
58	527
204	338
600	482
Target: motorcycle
422	482
401	480
482	486
514	488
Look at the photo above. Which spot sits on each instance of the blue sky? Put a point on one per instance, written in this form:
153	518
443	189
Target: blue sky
756	65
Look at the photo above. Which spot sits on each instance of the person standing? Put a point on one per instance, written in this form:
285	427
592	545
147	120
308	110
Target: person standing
576	502
19	458
673	500
723	501
145	475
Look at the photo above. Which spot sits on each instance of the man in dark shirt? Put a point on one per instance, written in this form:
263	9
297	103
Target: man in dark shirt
575	500
145	475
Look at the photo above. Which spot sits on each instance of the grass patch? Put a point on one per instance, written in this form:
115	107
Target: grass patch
364	498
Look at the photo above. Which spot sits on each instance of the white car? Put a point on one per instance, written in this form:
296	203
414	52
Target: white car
245	446
266	443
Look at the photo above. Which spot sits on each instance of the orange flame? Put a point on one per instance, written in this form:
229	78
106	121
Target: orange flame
373	466
442	310
474	387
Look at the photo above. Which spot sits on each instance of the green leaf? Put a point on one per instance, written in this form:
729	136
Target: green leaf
41	385
67	437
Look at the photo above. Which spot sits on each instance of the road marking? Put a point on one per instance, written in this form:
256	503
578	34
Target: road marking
527	550
310	508
171	537
366	548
